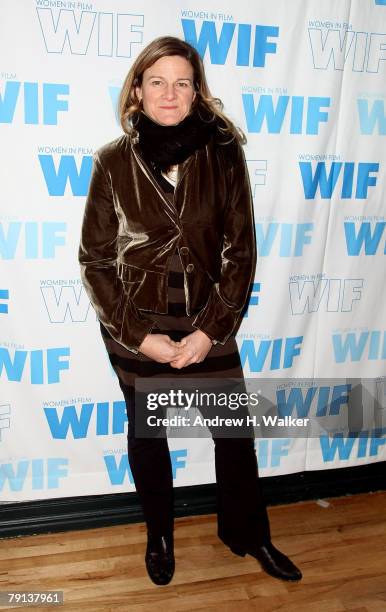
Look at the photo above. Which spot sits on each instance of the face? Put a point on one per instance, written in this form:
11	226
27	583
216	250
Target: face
167	90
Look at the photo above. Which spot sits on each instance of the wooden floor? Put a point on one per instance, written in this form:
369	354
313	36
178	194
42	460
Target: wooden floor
341	550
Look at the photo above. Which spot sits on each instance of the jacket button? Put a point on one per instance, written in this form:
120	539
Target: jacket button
190	267
184	250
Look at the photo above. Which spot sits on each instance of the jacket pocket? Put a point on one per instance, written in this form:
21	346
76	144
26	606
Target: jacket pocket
147	289
130	274
132	279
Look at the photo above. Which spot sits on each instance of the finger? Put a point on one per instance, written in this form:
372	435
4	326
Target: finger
175	364
186	357
184	363
175	350
178	363
174	358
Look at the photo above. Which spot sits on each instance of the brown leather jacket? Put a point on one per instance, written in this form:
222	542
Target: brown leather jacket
130	231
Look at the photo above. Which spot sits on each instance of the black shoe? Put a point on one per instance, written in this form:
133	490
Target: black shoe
274	562
159	558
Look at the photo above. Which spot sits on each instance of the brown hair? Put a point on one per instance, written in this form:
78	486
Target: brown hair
129	104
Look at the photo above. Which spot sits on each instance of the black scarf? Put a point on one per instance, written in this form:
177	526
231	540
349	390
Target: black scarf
167	145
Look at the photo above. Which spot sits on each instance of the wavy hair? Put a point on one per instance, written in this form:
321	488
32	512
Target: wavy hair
129	103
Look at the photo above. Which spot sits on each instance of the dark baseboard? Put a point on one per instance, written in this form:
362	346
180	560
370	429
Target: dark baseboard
68	513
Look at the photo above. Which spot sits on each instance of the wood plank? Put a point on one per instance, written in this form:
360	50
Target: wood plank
341	550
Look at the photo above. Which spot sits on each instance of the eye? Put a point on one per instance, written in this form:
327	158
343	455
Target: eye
156	82
183	84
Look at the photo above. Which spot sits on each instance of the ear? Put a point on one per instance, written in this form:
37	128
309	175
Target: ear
138	92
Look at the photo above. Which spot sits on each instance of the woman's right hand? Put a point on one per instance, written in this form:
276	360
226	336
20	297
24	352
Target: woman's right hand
160	347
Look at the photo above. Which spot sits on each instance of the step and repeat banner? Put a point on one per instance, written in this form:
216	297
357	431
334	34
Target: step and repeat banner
306	81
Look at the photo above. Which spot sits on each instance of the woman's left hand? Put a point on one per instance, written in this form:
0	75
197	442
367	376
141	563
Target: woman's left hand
196	346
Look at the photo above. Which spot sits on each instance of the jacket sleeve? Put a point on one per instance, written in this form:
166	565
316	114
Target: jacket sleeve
98	264
221	314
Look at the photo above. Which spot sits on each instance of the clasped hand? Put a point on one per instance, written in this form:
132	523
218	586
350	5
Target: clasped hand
193	348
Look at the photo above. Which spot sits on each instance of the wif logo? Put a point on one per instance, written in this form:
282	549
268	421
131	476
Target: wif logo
31	240
327	294
5	411
340	49
66	171
81	32
65	303
326	177
34	102
364	238
284	239
248	52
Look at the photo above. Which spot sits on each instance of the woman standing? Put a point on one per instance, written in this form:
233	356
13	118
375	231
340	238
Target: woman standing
167	257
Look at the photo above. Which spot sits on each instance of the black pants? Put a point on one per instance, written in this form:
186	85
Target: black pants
241	511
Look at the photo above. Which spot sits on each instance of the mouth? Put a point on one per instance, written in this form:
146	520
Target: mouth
169	107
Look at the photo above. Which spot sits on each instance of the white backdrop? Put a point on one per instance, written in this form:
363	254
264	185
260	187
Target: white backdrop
306	81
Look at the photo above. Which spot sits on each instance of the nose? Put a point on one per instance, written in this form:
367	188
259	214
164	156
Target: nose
169	92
